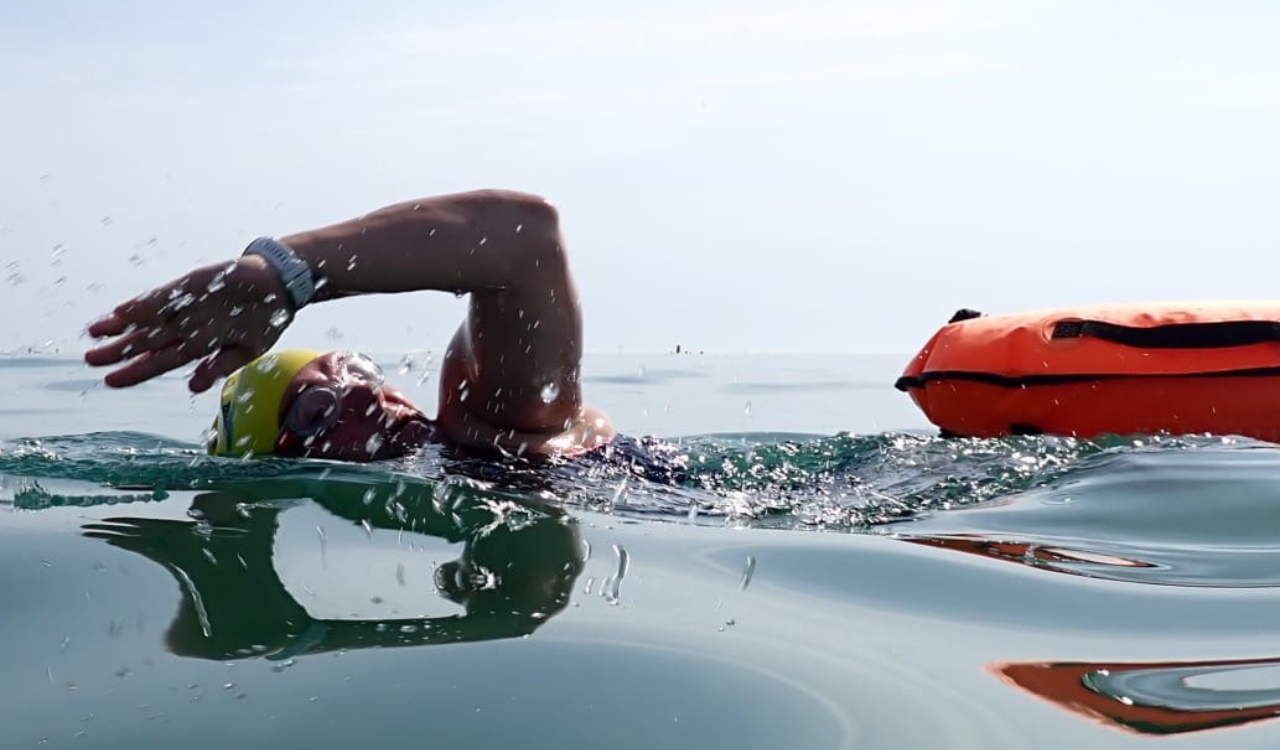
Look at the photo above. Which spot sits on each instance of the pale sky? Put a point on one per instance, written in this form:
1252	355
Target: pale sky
733	176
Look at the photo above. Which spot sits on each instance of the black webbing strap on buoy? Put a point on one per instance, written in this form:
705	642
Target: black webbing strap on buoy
1217	335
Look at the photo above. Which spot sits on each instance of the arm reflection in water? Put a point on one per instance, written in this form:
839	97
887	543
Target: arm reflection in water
517	568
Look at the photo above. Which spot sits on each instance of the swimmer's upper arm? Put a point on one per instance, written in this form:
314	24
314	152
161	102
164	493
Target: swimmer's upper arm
466	242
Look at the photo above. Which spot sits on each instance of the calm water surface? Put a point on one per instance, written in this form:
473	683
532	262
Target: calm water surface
823	573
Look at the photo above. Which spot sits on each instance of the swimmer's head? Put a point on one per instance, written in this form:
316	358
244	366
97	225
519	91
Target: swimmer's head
248	420
320	404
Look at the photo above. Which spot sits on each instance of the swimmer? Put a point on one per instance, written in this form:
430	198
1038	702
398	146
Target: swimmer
509	378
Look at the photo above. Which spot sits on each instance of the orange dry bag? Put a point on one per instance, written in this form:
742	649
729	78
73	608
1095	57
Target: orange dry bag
1180	368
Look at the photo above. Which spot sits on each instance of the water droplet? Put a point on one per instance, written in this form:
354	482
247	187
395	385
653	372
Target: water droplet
400	578
611	588
282	666
137	260
748	573
550	392
747	411
280	318
334	334
368	496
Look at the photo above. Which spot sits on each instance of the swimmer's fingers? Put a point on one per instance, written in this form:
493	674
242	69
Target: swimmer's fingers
132	343
145	367
140	325
150	309
111	324
220	365
154	363
110	528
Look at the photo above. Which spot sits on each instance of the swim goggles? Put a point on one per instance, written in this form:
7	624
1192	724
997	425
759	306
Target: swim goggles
318	408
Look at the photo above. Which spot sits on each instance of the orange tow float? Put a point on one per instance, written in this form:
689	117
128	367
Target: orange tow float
1178	368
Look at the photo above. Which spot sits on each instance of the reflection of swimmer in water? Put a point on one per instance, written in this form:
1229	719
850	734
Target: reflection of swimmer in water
516	570
509	378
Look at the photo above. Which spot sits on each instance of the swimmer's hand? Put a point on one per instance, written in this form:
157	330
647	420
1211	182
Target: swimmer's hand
223	315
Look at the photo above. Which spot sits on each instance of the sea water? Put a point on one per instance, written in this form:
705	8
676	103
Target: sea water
824	573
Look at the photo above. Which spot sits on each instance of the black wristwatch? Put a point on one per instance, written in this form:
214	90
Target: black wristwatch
294	272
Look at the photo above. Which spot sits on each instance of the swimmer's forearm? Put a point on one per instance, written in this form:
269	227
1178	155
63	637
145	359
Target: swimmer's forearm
461	243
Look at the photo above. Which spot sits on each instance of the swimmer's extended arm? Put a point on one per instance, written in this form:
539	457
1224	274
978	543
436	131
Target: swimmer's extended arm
511	371
458	243
519	348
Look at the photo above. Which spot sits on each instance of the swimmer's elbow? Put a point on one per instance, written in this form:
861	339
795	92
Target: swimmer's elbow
535	222
534	216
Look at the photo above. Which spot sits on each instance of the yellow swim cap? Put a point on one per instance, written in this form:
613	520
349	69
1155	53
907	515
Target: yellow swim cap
248	420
